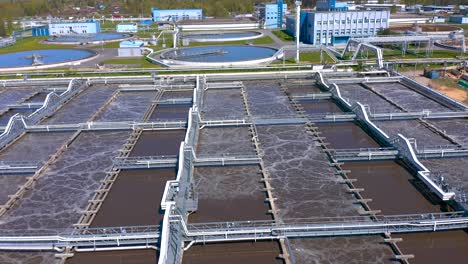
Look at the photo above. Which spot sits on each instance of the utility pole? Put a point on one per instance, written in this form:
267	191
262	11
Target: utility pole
298	27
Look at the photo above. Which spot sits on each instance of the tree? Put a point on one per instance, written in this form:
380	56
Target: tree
381	1
9	26
394	9
3	32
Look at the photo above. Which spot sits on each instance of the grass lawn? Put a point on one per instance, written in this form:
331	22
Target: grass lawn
283	35
109	45
309	57
139	62
31	43
411	54
421	66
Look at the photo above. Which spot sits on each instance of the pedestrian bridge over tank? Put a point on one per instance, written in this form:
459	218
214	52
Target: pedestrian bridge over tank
147	236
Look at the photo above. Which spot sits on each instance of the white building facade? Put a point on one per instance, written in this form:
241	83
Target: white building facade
332	27
160	15
70	28
127	28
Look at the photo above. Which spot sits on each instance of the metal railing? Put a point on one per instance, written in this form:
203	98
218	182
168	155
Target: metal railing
230	231
364	154
90	126
145	162
19	167
311	96
15	127
174	101
226	159
53	101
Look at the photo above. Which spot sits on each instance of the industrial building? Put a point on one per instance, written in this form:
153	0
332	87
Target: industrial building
127	28
272	15
130	48
69	28
328	27
176	14
399	7
40	31
459	19
433	8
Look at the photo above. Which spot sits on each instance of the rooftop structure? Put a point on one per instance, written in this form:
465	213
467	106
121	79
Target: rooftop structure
400	7
131	44
434	8
127	28
331	5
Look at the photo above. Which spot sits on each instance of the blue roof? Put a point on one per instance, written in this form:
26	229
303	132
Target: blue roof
131	43
444	7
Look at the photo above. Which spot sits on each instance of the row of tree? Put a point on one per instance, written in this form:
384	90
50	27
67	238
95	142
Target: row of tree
217	8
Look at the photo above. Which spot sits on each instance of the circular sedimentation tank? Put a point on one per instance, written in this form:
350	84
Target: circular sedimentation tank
222	36
423	28
88	38
43	58
220	55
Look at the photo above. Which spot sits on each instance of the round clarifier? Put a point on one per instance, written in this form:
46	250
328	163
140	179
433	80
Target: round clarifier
88	38
220	56
43	58
221	36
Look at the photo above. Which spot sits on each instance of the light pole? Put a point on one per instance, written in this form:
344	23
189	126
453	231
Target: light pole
298	27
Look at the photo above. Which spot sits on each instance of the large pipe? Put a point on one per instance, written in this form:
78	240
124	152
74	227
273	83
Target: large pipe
298	27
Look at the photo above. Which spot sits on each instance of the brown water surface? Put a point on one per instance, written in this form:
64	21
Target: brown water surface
392	188
435	248
230	193
170	112
159	143
324	106
264	252
346	136
134	199
141	256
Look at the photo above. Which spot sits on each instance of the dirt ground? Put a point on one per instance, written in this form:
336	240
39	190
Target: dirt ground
448	87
